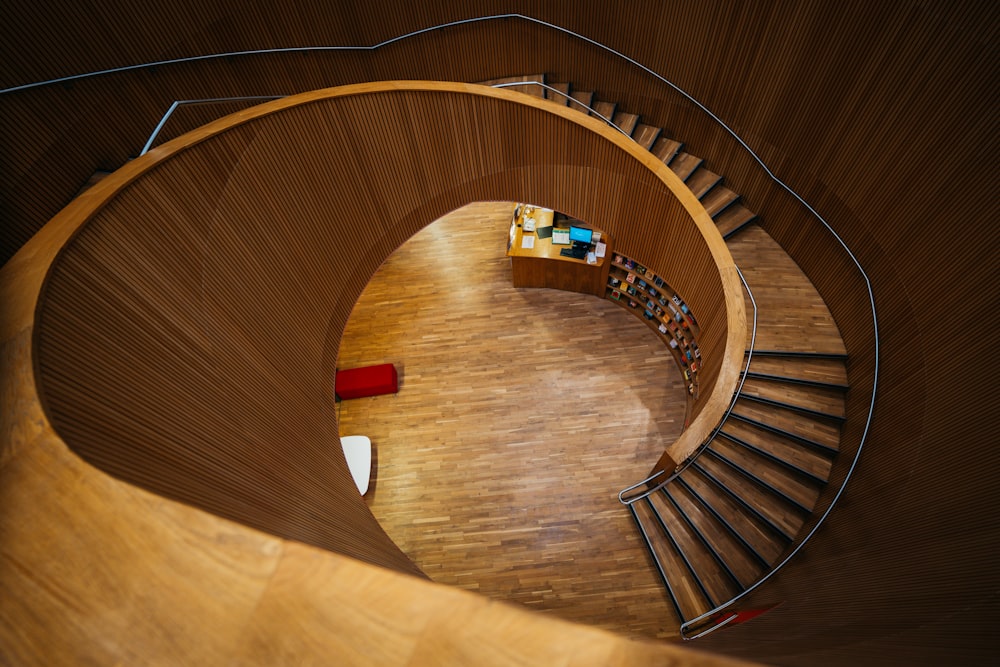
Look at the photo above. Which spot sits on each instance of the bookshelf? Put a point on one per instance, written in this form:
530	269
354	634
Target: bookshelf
643	291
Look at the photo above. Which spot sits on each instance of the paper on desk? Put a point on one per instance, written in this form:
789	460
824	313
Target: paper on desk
527	241
600	249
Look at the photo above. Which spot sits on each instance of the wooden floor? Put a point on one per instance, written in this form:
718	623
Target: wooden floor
521	413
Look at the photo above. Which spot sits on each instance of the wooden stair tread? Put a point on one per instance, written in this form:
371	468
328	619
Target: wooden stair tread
741	564
603	110
760	538
827	401
665	149
702	181
780	513
808	460
645	135
716	582
581	101
682	589
830	371
791	315
626	122
684	165
795	487
822	433
561	99
733	218
717	199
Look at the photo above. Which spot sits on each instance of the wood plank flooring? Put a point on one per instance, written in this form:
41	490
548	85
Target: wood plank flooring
521	413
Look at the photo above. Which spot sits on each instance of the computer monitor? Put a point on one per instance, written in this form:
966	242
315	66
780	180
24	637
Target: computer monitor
580	234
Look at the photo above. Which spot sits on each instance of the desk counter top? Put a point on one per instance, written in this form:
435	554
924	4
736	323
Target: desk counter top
542	248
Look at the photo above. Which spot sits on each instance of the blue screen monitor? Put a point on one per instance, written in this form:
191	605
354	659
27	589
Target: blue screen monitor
580	234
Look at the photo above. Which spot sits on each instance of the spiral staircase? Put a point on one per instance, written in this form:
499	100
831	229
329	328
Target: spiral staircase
735	509
718	525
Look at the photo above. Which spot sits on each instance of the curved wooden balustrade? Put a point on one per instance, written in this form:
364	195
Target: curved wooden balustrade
184	340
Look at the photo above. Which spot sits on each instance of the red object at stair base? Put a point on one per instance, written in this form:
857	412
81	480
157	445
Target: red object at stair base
741	616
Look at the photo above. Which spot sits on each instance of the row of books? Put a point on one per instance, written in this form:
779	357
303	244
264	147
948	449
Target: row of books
646	280
655	301
641	289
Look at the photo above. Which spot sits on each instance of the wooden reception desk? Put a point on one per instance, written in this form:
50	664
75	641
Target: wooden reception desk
536	261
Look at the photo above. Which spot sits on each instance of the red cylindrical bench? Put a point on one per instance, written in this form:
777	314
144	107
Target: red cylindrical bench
366	381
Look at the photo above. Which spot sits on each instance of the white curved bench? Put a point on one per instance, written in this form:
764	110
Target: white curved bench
358	452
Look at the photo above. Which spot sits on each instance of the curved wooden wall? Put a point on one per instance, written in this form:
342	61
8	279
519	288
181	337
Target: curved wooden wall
186	337
877	113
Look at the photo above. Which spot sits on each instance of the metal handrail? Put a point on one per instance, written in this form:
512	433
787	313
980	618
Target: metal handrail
722	422
177	103
217	100
665	81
